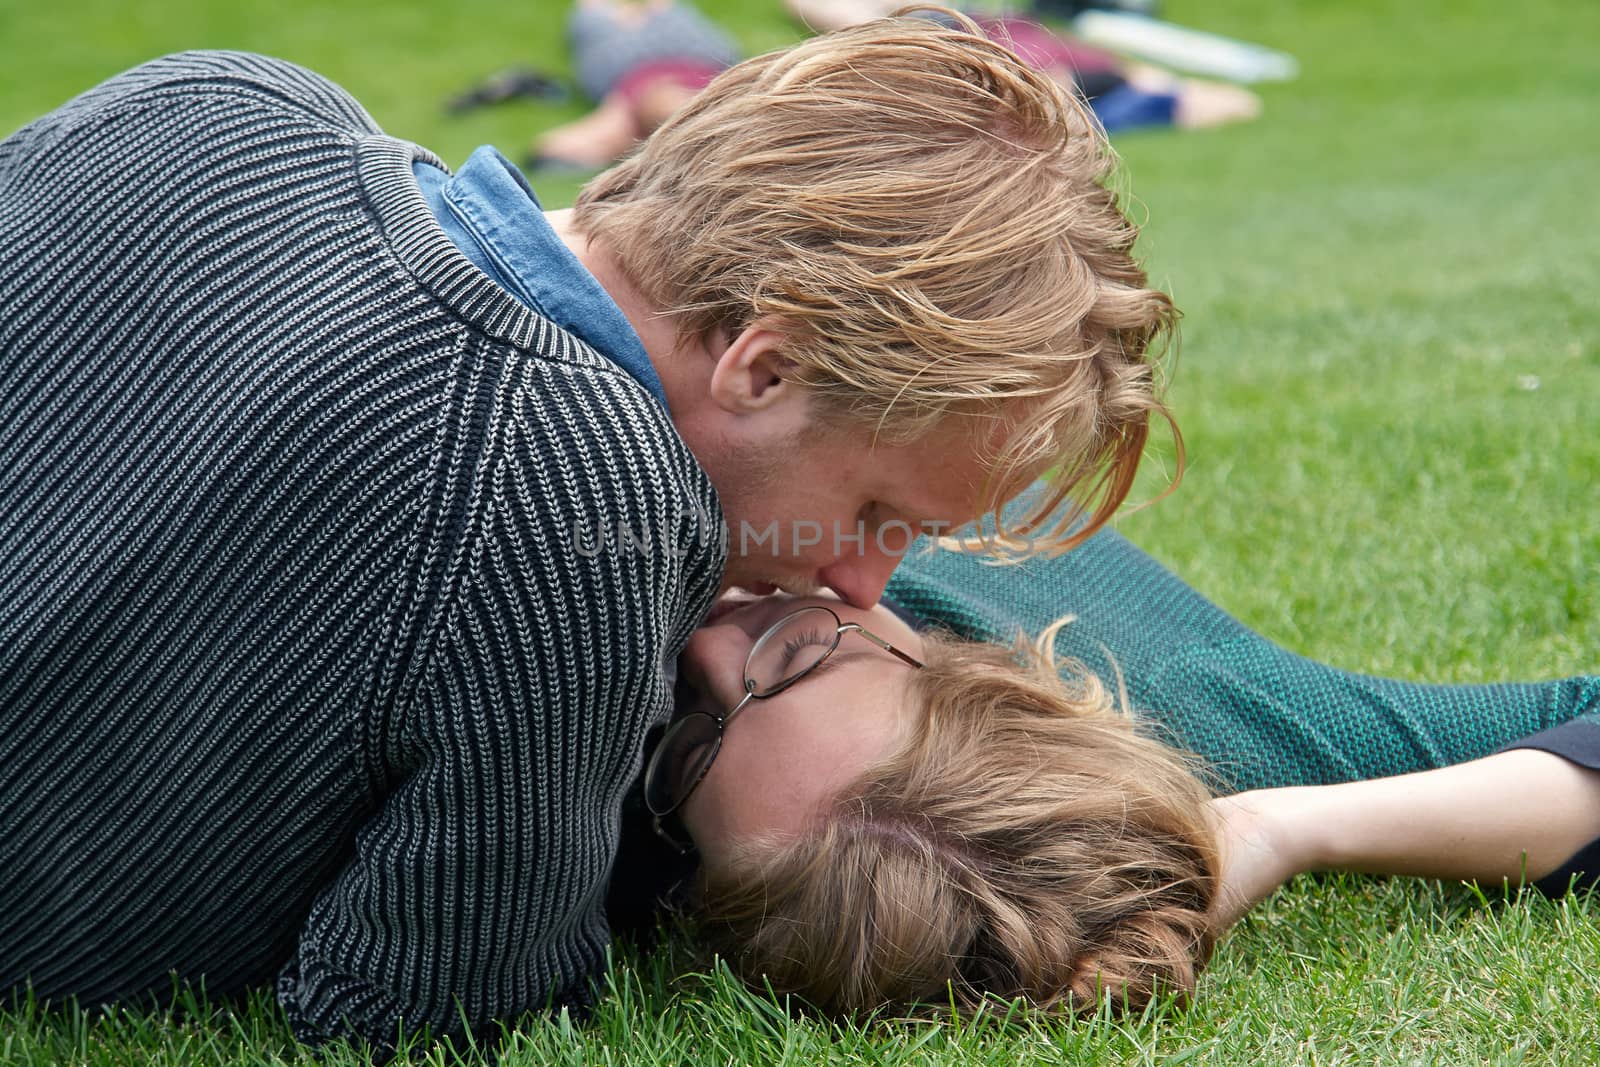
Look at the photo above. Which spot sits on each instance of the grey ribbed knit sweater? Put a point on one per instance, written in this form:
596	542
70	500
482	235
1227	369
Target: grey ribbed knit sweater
304	673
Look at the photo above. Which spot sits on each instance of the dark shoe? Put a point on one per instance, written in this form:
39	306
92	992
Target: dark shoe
517	83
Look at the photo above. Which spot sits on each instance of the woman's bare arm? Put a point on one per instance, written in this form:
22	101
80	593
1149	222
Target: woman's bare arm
1513	815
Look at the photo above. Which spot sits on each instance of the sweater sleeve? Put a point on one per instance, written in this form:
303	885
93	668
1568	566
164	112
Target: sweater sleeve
473	893
476	891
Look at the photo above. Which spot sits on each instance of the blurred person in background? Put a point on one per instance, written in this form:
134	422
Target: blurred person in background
639	62
642	61
1124	95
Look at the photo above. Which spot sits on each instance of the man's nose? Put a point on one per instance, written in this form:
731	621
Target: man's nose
859	579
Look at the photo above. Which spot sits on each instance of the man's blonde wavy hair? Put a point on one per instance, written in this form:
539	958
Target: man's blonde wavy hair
927	219
1027	841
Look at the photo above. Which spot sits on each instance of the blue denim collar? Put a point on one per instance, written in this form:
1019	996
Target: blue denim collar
493	216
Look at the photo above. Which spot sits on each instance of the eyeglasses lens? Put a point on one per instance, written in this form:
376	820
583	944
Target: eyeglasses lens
792	647
685	752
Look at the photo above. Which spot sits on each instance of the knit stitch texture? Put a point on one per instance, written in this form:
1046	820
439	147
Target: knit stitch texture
1255	714
306	673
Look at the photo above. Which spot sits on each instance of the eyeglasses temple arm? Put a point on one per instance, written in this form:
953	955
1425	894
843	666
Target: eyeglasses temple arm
672	842
886	646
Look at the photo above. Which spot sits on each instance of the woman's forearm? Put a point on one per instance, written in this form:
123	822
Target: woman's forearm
1511	815
1515	815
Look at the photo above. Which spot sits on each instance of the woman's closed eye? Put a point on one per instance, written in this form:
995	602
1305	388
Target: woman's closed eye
797	644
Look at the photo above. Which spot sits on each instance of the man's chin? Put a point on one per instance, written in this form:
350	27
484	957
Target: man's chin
732	600
766	587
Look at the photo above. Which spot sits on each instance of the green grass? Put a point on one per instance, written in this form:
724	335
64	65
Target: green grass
1341	970
1388	387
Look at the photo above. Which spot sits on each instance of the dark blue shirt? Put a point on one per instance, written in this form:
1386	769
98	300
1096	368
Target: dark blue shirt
493	216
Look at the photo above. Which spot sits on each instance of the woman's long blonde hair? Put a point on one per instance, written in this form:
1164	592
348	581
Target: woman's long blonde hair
1027	841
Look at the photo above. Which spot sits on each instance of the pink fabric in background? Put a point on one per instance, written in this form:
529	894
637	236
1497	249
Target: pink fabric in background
689	73
1042	49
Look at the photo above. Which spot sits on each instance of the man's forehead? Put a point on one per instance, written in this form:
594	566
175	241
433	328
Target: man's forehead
944	477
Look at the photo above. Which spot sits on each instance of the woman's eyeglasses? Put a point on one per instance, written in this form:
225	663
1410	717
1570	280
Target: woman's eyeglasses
791	648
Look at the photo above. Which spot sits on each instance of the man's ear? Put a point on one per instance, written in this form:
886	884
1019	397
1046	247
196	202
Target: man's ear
750	374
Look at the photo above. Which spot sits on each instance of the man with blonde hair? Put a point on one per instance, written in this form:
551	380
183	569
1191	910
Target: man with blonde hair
354	512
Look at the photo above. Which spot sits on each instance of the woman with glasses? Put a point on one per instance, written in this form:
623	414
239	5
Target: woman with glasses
883	815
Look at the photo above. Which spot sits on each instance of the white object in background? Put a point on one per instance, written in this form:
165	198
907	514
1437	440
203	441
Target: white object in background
1178	47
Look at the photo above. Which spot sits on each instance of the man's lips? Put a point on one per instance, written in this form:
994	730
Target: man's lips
737	597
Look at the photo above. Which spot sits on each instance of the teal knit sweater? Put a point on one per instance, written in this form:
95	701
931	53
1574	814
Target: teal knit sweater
1256	714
